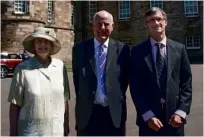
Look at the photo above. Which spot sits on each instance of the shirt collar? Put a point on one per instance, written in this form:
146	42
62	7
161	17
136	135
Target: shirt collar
153	42
37	63
96	43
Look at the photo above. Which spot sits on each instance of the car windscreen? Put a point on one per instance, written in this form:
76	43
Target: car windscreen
4	57
13	56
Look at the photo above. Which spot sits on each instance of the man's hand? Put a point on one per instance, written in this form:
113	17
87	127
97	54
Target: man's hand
175	121
154	123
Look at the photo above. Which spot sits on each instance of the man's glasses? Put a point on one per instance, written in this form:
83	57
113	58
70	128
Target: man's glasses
153	20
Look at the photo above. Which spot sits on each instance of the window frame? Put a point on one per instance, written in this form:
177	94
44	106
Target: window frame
156	4
50	11
126	41
193	41
190	14
94	10
72	15
119	11
26	6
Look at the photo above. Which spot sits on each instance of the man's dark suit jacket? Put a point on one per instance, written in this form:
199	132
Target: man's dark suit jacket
145	89
85	80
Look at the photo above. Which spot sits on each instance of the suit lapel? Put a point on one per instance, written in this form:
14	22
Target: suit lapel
171	56
149	62
110	53
91	55
148	57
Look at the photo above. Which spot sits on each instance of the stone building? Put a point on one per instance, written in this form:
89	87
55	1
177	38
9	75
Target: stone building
71	21
19	18
185	21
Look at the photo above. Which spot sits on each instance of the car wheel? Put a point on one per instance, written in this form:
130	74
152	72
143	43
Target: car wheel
4	71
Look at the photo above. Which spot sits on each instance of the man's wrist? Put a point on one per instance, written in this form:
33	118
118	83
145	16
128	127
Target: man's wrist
146	116
181	113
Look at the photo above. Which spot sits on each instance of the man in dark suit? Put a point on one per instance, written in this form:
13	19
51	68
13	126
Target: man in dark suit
100	72
160	80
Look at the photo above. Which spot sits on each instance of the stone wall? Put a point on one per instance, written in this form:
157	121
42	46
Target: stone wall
67	41
15	27
13	33
178	26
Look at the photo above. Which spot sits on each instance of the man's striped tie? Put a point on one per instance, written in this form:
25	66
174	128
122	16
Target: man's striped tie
161	70
102	64
160	62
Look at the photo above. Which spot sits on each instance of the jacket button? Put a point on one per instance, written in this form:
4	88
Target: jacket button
94	92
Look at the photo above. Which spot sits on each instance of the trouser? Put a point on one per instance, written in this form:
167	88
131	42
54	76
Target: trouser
100	124
166	130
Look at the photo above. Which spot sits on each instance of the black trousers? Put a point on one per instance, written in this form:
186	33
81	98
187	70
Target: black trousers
100	124
166	130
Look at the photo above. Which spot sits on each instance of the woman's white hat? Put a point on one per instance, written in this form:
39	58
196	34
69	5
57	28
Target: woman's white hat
41	32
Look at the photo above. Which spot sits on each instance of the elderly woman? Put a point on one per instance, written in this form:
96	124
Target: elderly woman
39	91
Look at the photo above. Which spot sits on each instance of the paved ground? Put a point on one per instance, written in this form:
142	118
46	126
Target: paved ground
194	127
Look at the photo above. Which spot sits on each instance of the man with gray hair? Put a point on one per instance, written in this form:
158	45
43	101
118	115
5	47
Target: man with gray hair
160	80
100	73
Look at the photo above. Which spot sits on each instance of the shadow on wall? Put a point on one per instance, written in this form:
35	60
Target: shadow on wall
196	60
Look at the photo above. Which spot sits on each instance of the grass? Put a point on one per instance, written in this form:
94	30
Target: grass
69	67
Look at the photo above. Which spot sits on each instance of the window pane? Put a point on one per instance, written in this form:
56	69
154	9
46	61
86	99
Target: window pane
73	15
191	8
20	6
193	42
124	9
93	8
158	4
126	42
49	10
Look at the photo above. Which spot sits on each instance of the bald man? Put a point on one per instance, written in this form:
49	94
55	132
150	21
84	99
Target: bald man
100	73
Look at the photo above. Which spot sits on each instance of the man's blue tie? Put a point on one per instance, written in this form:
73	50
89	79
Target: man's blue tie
102	65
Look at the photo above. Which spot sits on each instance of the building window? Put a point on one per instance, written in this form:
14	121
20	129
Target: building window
193	42
93	8
191	8
49	11
126	41
21	7
72	15
155	3
124	10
